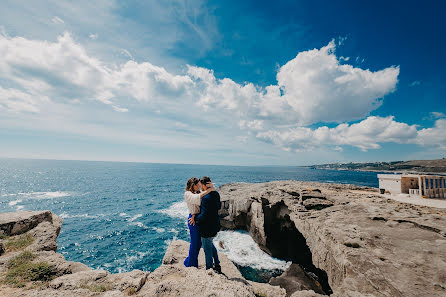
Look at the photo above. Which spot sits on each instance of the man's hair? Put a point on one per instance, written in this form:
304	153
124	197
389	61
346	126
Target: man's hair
205	180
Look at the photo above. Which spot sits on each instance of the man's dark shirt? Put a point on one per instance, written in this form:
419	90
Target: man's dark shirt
208	220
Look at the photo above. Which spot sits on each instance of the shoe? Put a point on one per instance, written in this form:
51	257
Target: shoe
217	269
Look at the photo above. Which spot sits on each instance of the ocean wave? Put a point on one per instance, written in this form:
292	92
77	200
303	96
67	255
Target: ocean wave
135	217
176	210
65	215
12	203
139	224
44	195
158	230
128	263
240	248
19	207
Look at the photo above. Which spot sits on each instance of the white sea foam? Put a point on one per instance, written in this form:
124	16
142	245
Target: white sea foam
158	230
242	249
135	217
65	215
12	203
139	224
176	210
123	214
129	261
20	207
45	195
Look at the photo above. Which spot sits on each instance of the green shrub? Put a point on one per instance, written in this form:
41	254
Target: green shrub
3	235
21	269
95	288
19	242
23	258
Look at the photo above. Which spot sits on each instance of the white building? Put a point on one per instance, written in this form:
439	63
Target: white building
426	186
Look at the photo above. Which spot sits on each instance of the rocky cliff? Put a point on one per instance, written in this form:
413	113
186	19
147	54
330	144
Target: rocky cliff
343	240
348	239
30	266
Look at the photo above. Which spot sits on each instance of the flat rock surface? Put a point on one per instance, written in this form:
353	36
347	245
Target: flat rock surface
367	244
173	279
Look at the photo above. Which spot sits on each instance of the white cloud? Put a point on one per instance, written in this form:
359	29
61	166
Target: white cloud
433	137
438	115
251	125
318	89
18	101
313	87
64	71
93	36
415	83
367	134
57	20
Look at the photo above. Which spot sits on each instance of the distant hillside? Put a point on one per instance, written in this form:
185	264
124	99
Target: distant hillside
422	166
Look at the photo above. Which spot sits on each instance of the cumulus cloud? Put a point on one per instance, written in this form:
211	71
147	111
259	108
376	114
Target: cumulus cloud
314	87
64	70
367	134
433	137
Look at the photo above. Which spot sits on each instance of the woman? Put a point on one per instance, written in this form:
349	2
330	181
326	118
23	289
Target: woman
193	197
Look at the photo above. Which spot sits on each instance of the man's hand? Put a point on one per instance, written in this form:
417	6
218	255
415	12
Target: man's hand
192	220
210	186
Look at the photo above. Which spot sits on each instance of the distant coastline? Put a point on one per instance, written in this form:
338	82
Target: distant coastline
414	166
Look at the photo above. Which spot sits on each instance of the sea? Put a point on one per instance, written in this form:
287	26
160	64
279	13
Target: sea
122	216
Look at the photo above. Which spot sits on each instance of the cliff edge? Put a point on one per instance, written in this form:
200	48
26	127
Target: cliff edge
350	240
30	266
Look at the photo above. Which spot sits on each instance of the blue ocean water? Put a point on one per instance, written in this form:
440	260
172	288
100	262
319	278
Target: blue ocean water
121	216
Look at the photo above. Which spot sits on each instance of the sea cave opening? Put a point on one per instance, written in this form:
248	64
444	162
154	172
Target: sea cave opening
284	241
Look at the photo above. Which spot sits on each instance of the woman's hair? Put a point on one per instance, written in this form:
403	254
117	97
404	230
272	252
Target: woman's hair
190	183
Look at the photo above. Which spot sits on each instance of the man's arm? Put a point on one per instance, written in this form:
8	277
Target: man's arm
204	210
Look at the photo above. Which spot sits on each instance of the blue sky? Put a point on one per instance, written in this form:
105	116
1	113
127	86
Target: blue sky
223	82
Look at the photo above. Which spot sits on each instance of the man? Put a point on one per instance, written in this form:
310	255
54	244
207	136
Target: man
208	223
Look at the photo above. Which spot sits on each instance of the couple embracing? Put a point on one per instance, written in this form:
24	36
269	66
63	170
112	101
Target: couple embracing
203	202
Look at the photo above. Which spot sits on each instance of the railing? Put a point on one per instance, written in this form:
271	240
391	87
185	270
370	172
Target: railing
415	192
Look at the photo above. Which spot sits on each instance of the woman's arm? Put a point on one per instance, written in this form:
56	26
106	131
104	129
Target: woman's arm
211	189
196	198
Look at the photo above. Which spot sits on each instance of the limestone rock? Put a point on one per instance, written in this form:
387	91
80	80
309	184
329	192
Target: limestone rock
14	223
362	245
201	282
307	293
311	194
295	279
2	247
316	203
79	280
127	281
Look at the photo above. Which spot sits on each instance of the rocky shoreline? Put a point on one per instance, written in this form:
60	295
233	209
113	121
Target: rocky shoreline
341	242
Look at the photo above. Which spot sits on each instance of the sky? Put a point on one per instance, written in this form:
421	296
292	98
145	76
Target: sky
223	82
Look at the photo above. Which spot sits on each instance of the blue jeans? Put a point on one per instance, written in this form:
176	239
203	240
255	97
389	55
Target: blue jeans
195	246
210	252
